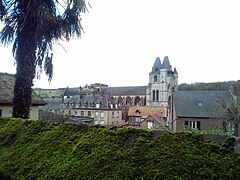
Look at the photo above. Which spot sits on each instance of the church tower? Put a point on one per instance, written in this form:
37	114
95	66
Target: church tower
162	82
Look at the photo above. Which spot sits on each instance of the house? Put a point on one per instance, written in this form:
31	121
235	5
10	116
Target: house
152	121
147	116
7	82
200	110
88	104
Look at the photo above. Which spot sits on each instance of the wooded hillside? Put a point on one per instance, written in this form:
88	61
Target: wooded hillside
216	86
41	150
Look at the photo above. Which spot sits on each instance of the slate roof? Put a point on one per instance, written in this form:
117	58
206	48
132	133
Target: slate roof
7	82
89	99
71	91
199	104
166	64
52	103
129	90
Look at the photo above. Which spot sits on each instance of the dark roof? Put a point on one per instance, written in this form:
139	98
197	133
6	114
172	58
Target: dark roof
71	91
88	99
166	64
157	66
130	90
52	103
202	104
7	82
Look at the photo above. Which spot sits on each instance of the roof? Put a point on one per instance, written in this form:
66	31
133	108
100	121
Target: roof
52	103
85	101
7	82
128	90
202	104
71	91
147	110
156	118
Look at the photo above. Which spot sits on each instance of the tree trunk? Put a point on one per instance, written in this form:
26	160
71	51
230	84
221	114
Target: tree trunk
25	58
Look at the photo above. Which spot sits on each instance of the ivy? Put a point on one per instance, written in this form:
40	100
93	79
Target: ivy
40	150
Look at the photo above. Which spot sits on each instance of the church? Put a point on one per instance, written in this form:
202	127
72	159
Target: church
157	104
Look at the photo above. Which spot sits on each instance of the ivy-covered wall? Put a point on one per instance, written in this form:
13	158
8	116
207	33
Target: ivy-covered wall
41	150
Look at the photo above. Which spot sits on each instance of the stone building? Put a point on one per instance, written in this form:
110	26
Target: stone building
162	82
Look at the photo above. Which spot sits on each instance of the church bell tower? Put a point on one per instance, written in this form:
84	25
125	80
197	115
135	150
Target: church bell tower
162	82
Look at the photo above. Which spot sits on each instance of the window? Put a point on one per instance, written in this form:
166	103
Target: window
89	113
155	78
157	95
138	119
112	114
96	113
102	114
76	113
193	124
117	114
0	112
153	95
82	113
102	122
229	128
149	124
96	122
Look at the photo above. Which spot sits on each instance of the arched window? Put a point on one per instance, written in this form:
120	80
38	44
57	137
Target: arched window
157	95
137	100
153	95
155	78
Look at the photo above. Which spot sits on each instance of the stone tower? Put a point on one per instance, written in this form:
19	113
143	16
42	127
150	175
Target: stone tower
162	82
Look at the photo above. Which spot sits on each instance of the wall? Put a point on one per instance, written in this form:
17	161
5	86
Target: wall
7	112
205	123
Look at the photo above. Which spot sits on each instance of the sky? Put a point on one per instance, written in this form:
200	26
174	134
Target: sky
122	39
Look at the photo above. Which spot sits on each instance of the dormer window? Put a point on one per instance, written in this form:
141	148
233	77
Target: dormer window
97	105
137	113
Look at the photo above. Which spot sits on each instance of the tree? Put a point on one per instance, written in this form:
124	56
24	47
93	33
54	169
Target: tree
230	113
33	26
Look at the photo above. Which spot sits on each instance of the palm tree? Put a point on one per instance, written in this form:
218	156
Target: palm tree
33	26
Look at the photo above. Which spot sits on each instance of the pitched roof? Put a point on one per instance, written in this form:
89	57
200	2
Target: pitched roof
147	110
71	91
7	82
129	90
88	100
156	118
202	104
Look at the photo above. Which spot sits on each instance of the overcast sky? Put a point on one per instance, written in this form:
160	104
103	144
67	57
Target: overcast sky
123	37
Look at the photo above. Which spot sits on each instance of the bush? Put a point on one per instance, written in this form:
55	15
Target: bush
41	150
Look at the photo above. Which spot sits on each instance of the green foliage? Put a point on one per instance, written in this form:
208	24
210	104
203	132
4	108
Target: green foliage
216	86
40	150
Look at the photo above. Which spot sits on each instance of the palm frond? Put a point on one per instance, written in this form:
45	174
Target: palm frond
7	35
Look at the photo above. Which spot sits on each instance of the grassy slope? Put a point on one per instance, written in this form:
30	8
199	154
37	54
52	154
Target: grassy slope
34	149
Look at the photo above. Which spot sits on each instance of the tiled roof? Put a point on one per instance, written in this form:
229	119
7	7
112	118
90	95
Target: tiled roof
156	118
7	82
202	104
147	110
129	90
